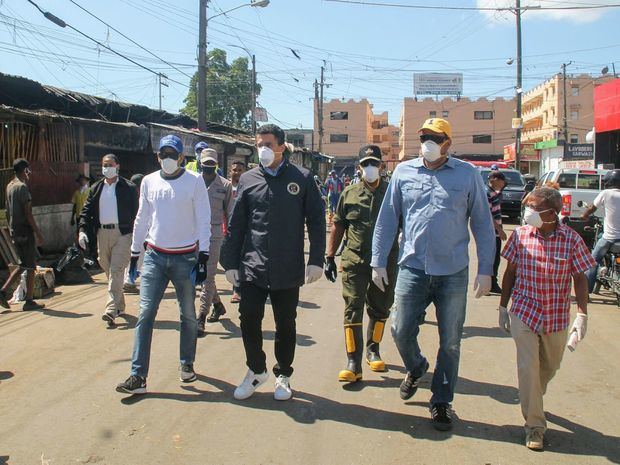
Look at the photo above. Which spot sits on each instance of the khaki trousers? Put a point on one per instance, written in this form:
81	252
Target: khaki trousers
208	294
114	254
538	358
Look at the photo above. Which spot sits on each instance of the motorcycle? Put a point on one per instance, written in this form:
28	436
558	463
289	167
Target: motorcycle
608	272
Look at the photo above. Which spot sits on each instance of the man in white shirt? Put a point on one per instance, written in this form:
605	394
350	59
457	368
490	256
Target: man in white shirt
109	213
174	223
609	199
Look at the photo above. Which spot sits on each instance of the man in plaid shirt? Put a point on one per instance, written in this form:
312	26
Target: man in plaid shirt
542	258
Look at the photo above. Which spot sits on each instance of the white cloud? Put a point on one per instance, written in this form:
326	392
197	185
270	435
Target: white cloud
577	16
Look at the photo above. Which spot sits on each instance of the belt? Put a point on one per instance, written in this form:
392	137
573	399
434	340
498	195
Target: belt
109	226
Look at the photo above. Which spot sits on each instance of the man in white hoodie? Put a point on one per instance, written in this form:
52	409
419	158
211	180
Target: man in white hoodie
174	223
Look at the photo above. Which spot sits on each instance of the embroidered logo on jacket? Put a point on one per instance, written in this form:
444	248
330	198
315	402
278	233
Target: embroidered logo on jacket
293	188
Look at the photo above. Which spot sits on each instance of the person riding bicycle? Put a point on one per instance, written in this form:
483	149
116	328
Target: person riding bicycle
610	200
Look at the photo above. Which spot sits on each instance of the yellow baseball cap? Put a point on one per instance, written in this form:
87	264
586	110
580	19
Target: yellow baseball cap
438	125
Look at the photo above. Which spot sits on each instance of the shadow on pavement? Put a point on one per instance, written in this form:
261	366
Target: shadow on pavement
63	314
476	331
233	331
306	408
308	305
4	375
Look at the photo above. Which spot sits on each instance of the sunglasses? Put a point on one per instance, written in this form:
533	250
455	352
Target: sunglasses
433	138
366	163
173	154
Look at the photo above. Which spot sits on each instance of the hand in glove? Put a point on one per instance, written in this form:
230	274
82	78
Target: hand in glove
331	270
482	285
82	240
133	266
380	278
580	325
313	273
504	319
232	276
199	272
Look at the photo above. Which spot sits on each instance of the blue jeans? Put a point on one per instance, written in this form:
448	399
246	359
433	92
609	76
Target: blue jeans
415	291
600	249
158	270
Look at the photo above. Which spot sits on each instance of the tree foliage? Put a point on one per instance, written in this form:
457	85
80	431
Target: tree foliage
229	91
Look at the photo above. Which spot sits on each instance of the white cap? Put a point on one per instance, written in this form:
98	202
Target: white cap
208	155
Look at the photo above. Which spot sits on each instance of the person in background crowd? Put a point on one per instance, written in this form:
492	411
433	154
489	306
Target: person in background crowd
356	215
334	188
495	186
110	212
347	181
437	199
609	199
129	286
263	255
236	170
79	198
174	220
25	234
542	258
221	202
193	163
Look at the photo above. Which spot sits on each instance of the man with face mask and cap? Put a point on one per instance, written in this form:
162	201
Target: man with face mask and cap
220	199
110	212
356	215
263	255
438	199
174	224
543	256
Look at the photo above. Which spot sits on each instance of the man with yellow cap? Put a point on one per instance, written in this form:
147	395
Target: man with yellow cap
437	199
356	215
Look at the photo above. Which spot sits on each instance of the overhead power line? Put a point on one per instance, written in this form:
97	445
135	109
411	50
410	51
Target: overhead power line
474	8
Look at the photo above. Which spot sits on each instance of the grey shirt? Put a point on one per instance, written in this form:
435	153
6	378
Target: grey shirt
221	200
17	198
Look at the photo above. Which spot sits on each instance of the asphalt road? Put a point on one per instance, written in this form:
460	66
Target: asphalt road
58	405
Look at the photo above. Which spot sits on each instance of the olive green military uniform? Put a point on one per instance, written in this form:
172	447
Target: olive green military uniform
357	211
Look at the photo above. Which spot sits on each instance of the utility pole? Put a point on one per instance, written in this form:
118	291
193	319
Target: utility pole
202	66
161	76
565	106
320	115
254	94
519	89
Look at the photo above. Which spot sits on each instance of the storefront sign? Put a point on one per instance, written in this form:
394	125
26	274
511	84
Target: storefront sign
578	152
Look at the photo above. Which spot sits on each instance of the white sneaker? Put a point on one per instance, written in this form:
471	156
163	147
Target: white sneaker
283	388
249	384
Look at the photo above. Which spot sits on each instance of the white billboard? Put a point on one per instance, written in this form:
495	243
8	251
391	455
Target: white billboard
438	83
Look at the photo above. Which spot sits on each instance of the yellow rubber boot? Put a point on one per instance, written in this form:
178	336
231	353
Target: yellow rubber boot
374	337
354	341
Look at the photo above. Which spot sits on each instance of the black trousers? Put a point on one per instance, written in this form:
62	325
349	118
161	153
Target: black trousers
498	251
252	311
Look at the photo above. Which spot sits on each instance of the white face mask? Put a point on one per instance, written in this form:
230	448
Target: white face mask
109	171
431	151
532	217
169	166
370	173
266	156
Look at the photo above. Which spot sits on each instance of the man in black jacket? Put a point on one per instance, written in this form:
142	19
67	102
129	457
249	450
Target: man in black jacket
109	213
263	254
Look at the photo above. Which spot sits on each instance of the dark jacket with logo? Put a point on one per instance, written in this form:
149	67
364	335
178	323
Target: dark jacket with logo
126	202
265	239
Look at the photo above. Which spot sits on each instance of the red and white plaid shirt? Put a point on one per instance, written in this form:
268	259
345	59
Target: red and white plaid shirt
541	295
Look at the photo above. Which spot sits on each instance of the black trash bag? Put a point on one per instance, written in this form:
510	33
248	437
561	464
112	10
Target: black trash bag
70	268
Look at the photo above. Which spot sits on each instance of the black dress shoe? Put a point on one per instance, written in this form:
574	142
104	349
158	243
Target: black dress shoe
217	312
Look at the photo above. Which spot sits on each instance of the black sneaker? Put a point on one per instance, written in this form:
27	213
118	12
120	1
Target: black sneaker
133	385
187	373
409	386
32	305
217	312
495	289
442	417
201	324
3	301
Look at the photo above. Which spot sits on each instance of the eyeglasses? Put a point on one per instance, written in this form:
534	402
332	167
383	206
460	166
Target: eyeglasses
366	163
173	154
432	137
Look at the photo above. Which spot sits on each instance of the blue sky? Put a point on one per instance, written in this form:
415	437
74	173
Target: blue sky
368	51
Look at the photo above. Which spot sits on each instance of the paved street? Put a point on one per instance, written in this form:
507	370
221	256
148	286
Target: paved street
58	406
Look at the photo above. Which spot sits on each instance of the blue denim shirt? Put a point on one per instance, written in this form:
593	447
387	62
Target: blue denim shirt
436	207
275	171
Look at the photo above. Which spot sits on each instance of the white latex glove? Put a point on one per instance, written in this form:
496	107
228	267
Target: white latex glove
82	240
232	276
580	326
504	319
482	285
380	278
313	273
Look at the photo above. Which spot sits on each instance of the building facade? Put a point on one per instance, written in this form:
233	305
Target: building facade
300	138
607	123
480	128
